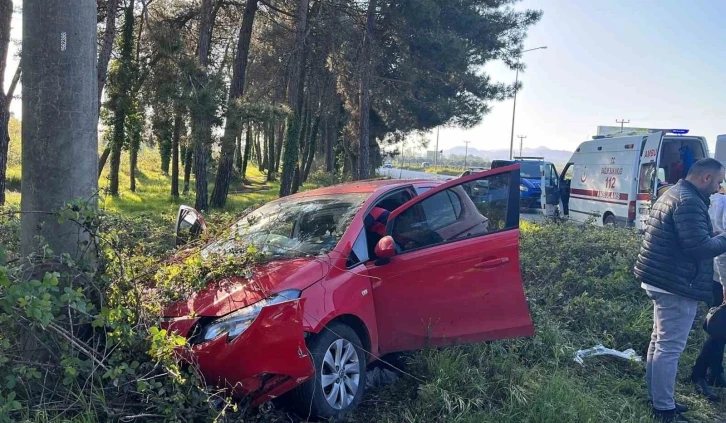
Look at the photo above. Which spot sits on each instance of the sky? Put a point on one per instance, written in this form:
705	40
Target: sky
657	63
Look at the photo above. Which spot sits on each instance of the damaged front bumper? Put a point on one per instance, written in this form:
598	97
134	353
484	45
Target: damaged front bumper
267	360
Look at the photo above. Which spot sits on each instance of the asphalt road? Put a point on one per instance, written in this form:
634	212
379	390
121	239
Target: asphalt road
532	216
411	174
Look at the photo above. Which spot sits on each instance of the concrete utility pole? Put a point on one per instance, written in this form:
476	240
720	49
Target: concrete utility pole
521	141
466	152
60	108
622	122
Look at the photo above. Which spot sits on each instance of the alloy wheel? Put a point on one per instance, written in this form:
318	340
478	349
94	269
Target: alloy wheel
340	374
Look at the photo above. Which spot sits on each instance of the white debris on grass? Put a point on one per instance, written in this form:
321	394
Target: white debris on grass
599	349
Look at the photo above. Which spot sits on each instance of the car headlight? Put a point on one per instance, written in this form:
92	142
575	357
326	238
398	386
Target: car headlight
523	188
233	324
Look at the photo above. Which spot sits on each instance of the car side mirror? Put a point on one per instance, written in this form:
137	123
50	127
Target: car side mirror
190	225
386	248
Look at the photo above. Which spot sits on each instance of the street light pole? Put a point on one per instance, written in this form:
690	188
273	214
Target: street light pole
514	108
436	152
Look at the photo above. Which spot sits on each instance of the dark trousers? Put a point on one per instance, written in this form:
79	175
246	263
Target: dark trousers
711	356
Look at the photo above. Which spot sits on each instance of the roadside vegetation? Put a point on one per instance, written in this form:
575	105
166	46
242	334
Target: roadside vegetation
439	170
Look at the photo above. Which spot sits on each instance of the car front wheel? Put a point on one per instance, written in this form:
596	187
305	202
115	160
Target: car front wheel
340	367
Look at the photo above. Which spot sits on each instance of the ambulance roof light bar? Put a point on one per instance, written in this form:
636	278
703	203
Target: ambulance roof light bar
529	158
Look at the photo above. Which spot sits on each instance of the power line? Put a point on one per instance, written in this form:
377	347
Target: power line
521	141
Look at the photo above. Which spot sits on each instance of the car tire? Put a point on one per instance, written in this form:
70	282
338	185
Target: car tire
315	398
610	220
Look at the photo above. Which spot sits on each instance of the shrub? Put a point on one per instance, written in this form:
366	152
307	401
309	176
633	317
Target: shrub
79	342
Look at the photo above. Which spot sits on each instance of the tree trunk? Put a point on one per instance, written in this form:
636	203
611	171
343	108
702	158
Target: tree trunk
104	56
246	156
258	149
122	104
102	160
239	152
4	129
292	137
232	124
133	156
175	155
312	147
271	151
201	121
364	156
265	144
60	141
164	140
188	159
329	145
296	180
280	128
6	12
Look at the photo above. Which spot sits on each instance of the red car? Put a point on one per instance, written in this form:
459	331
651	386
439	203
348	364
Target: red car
334	296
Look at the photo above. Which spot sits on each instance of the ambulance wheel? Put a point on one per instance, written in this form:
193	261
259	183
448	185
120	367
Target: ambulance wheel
610	220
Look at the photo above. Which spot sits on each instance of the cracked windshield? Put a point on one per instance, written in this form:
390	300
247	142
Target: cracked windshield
294	228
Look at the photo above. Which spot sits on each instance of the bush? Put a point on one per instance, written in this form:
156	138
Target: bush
85	343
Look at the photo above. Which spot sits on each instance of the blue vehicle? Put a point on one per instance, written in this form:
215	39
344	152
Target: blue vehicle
530	182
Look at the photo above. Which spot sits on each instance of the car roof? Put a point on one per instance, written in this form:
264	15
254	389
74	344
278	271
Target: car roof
363	187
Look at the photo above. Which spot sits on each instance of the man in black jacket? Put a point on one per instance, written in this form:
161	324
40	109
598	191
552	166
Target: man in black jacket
675	266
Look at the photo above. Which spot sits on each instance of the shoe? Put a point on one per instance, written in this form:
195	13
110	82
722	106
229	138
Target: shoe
705	390
719	381
670	416
681	408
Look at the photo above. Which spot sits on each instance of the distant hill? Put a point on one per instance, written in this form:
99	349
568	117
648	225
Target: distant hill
555	156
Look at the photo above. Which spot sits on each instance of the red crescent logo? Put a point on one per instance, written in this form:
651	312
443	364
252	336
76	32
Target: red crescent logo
583	178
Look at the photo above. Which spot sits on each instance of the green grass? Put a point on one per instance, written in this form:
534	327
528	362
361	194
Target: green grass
153	189
439	170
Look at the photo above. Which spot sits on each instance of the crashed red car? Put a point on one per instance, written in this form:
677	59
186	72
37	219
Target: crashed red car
334	296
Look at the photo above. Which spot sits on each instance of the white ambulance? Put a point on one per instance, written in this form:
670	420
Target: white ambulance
614	179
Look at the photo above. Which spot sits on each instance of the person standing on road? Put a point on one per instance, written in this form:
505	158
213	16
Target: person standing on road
711	356
675	267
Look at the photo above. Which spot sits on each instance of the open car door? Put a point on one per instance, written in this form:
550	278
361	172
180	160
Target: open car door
720	152
189	226
448	271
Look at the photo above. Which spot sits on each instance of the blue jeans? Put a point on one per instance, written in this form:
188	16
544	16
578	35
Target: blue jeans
672	321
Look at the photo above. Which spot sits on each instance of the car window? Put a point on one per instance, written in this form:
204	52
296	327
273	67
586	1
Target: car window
421	190
359	252
455	203
395	200
469	209
646	178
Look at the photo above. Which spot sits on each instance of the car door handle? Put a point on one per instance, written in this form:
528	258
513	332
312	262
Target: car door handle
492	263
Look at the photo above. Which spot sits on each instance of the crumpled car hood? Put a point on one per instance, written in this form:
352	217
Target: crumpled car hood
229	294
